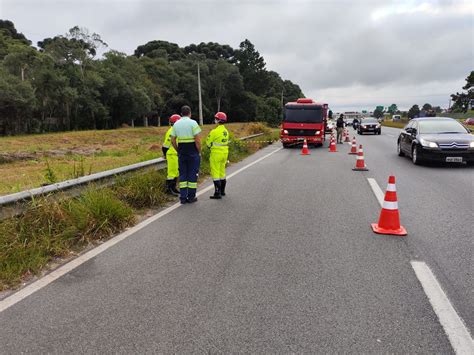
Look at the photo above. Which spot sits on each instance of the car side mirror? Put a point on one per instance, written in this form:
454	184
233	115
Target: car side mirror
409	130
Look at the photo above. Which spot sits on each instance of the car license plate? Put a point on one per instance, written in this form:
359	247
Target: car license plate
454	159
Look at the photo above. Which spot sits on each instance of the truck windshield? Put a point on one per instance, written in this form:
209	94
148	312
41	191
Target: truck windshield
304	114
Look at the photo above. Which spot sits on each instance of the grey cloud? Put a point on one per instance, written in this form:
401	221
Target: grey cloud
325	46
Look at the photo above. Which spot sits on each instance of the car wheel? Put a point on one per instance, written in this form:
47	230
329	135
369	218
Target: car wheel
414	155
380	132
359	132
399	149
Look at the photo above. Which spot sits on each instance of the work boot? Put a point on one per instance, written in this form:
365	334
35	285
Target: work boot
223	183
217	190
169	188
173	186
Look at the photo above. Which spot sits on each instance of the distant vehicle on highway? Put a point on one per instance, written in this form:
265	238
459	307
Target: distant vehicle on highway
371	125
396	118
469	121
303	119
440	139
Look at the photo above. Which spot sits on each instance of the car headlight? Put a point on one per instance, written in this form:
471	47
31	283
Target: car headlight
378	126
317	132
471	144
364	126
429	144
285	131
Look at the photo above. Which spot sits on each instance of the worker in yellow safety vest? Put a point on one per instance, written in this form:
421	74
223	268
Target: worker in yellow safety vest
218	143
171	156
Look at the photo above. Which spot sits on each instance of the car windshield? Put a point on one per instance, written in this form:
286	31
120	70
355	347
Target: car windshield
304	114
440	126
369	121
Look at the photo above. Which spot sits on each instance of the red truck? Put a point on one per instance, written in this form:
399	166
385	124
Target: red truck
303	119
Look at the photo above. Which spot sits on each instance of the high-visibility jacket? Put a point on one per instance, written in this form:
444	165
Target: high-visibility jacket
167	143
218	139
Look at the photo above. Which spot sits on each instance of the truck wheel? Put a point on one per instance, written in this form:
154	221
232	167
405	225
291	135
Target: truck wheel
286	146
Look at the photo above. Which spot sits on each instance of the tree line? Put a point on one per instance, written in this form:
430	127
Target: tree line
462	102
64	84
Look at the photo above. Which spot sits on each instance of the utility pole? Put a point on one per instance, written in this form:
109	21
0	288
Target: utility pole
201	122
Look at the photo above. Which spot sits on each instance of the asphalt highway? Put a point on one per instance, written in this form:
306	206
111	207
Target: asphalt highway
285	263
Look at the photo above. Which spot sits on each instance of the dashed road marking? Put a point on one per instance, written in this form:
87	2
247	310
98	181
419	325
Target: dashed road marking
377	190
455	329
62	270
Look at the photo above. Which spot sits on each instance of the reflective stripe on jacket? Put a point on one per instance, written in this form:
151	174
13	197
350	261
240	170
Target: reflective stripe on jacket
184	130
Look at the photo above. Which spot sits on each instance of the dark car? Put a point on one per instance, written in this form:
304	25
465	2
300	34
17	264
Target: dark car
370	125
440	139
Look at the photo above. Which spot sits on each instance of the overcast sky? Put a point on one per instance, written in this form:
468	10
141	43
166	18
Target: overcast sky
351	54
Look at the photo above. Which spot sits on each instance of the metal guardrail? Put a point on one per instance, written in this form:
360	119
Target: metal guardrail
10	204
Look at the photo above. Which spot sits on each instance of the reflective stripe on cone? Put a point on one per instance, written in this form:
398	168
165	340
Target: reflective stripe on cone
389	220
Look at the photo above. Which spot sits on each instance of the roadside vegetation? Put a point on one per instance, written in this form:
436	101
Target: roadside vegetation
403	122
53	229
30	161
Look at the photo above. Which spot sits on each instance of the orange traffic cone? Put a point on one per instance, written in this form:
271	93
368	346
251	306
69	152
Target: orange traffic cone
389	221
360	164
347	139
305	150
332	145
354	146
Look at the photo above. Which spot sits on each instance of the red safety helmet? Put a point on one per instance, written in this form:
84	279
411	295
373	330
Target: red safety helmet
221	117
174	118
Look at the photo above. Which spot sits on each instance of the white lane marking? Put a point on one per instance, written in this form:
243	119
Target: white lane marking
390	135
377	190
62	270
455	329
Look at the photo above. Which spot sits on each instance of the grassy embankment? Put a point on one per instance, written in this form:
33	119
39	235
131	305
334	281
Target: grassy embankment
31	161
54	229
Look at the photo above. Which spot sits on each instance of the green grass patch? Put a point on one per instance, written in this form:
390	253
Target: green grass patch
397	124
54	227
143	190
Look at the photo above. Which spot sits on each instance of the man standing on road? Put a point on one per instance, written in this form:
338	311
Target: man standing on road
355	123
171	156
218	143
340	128
187	142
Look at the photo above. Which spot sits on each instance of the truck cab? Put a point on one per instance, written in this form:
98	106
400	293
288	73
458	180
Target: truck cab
303	119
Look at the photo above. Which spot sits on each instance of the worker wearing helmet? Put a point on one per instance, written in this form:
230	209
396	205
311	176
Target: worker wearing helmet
171	156
218	143
186	140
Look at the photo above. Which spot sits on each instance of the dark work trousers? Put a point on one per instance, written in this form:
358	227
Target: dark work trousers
189	161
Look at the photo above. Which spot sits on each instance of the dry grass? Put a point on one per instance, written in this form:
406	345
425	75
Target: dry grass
73	154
